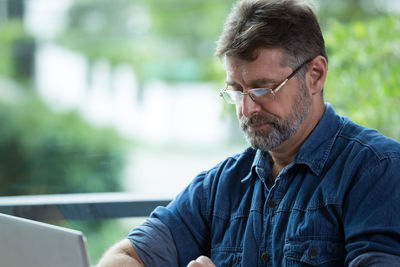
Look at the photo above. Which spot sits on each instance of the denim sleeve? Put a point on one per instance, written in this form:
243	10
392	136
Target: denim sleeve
186	218
376	259
154	244
371	216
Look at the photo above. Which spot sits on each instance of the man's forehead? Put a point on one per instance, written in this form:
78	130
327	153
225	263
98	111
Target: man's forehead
266	65
263	56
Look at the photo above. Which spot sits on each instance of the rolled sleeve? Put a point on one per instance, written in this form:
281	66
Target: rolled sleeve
154	244
186	219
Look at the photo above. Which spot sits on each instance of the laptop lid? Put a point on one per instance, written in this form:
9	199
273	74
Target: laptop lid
30	243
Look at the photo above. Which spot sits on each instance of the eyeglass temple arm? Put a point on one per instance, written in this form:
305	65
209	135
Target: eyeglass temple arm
298	68
290	76
280	86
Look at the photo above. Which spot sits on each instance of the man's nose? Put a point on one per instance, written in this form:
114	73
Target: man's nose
249	106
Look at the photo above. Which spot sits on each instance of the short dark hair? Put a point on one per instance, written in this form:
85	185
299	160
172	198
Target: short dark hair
287	24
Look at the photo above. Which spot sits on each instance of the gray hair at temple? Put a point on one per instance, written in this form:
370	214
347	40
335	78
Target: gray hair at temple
287	24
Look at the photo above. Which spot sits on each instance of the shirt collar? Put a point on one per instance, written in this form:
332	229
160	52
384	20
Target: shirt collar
314	152
260	164
316	149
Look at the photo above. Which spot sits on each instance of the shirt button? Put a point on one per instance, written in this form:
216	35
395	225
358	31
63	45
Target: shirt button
271	204
312	252
265	257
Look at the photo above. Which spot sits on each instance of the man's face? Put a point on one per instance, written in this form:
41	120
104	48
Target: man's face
267	125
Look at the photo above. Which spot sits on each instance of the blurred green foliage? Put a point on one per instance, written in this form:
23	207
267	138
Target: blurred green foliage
14	43
169	40
364	62
44	152
347	11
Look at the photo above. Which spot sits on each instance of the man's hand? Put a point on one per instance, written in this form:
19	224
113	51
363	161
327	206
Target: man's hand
201	261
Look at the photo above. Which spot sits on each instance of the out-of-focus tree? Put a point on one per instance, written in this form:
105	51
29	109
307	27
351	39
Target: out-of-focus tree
170	40
351	10
364	62
17	51
43	152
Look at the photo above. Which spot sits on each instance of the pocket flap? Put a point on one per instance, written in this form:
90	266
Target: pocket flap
314	251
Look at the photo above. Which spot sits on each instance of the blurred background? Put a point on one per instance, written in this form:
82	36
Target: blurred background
122	95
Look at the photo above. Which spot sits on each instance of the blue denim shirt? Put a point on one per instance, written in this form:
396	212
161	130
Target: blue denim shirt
338	199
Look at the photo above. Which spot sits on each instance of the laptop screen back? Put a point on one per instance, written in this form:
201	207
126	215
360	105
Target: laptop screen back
29	243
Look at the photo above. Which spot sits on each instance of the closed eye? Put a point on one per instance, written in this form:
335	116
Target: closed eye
260	91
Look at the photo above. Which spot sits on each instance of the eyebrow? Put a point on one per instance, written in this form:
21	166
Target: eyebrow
255	82
263	81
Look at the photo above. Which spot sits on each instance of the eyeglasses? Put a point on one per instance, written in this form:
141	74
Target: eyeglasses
258	95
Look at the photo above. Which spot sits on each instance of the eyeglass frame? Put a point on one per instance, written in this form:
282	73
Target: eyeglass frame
272	91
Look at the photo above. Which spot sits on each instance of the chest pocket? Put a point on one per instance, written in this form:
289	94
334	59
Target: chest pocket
314	252
227	257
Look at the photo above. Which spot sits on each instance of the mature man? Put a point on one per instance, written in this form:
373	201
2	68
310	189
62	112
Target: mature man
313	189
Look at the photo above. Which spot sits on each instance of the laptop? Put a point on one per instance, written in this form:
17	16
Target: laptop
30	243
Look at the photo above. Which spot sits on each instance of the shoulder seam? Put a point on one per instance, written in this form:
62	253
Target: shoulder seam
379	155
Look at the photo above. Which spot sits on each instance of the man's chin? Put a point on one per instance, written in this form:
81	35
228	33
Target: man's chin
263	147
261	143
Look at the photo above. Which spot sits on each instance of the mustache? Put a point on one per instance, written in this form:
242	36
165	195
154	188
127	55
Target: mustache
258	119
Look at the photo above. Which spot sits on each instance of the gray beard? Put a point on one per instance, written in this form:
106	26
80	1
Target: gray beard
281	129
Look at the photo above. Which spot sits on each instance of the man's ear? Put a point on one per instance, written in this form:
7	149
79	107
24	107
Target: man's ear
316	74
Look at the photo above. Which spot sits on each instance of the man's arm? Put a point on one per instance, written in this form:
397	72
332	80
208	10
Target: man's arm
122	254
371	217
150	244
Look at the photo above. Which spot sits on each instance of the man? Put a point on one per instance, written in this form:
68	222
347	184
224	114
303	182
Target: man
313	189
